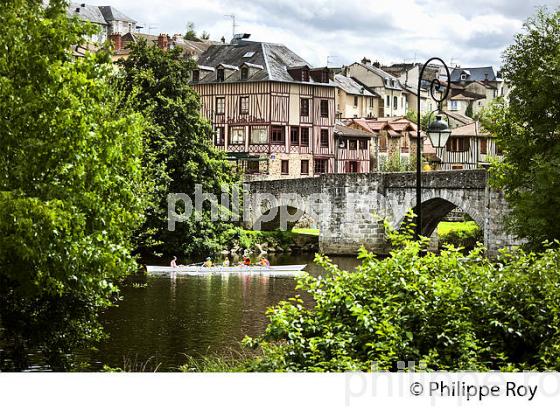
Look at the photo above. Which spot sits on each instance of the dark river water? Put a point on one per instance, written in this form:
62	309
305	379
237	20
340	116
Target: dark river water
193	315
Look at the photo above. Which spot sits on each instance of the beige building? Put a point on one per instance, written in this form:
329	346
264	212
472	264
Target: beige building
388	87
353	100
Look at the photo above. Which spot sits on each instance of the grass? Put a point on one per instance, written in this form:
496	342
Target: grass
445	228
306	231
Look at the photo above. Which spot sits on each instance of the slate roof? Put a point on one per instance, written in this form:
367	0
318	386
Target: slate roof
351	87
89	13
474	74
110	13
274	58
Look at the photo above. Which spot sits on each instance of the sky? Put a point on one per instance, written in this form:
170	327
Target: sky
462	32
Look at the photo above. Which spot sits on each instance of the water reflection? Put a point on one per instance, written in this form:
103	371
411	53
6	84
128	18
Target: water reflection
194	315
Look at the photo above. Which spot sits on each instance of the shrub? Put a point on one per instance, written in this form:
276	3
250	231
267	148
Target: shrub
450	311
460	234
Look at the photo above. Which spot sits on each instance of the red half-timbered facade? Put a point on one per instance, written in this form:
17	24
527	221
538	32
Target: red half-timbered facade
271	111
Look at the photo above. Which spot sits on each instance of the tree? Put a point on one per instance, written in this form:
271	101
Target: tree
469	110
180	148
191	33
70	186
528	130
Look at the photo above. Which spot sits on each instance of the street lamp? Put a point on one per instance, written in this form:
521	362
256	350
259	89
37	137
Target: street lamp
437	131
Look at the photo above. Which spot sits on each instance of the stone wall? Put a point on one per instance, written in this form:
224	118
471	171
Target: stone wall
353	206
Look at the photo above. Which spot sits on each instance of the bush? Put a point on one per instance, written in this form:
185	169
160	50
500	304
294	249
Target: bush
449	311
460	234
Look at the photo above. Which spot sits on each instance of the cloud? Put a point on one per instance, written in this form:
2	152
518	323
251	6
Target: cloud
465	32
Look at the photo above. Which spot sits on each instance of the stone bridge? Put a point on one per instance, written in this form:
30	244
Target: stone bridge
349	208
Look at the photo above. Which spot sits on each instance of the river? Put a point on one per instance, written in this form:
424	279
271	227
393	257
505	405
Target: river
166	319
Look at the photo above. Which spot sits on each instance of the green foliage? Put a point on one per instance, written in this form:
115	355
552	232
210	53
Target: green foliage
449	312
413	116
180	151
247	239
191	33
528	130
70	187
394	163
460	234
469	110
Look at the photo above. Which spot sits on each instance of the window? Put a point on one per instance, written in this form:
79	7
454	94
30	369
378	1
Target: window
321	166
304	107
363	144
388	101
352	166
325	138
382	142
395	103
402	102
483	146
371	102
325	108
237	136
404	143
463	77
285	167
243	105
304	166
219	137
454	105
304	135
325	77
305	76
294	136
355	101
277	135
456	167
244	73
259	135
195	76
457	144
353	144
252	167
220	105
220	75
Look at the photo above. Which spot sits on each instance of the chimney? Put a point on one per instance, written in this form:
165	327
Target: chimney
223	40
116	39
163	41
366	61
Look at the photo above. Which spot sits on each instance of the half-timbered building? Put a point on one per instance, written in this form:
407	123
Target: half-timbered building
270	110
468	147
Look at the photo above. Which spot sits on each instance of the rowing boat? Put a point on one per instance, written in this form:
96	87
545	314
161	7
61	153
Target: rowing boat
277	271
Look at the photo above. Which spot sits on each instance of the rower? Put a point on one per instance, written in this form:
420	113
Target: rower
246	261
208	263
173	263
226	262
264	262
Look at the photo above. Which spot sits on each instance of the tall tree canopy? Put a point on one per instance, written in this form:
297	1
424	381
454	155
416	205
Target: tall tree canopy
70	185
528	129
180	152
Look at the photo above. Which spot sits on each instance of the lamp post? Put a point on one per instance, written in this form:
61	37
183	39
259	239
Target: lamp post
437	131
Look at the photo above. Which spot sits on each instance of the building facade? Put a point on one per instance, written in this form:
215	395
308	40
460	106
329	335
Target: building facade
108	19
468	147
270	110
388	87
353	100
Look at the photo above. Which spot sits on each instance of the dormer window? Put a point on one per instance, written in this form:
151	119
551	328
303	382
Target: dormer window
220	75
387	82
196	76
305	75
463	77
325	77
244	73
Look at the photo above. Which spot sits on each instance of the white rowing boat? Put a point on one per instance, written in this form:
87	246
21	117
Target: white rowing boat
278	271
